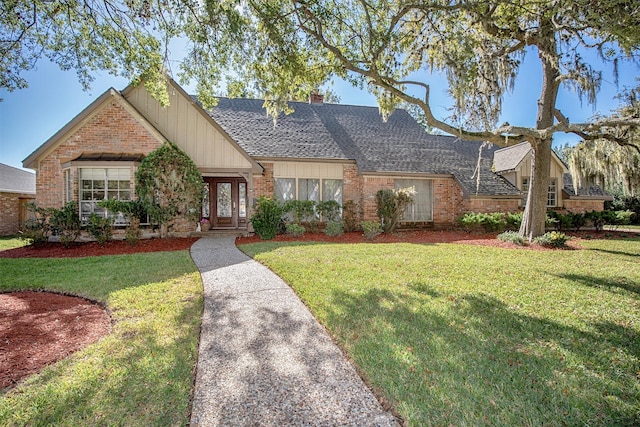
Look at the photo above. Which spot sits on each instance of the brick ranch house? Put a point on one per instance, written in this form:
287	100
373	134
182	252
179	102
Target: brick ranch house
319	152
17	187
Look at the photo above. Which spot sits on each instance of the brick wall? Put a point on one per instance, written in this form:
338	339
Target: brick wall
582	206
111	130
10	212
492	205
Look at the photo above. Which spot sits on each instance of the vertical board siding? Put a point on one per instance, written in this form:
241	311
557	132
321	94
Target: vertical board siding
182	123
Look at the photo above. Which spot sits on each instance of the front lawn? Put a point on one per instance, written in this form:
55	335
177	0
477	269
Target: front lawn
11	242
454	334
139	375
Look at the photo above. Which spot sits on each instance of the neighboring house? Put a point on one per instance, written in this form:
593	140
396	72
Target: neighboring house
17	187
514	164
319	152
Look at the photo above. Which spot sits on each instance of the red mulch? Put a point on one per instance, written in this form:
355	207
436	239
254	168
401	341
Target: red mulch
419	237
40	328
114	247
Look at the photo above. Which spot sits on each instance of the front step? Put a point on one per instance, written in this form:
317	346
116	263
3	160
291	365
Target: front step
218	233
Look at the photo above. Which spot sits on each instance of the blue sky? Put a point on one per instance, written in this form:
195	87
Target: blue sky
30	116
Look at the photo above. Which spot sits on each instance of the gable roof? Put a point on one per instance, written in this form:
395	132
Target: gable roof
14	180
509	158
32	160
357	133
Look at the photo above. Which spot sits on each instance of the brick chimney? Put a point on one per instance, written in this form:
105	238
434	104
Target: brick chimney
316	97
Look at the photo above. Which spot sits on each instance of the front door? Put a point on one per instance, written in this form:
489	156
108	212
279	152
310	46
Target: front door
228	202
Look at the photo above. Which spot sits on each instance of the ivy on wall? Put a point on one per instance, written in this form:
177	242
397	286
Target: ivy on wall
169	185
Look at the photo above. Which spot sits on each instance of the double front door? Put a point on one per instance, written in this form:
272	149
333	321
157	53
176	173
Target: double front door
227	202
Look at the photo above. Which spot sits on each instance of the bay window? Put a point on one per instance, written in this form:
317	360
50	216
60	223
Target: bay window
98	184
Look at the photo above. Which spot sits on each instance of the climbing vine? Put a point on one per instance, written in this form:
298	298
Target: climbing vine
169	185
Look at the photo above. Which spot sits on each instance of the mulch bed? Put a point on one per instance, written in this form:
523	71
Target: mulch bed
114	247
40	328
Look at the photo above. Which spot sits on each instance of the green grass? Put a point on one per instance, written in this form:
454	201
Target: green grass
11	242
469	335
139	375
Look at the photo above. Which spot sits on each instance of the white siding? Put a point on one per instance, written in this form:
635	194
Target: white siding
183	124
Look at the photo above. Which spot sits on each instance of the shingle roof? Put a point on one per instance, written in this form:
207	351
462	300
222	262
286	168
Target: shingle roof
346	132
509	158
14	180
591	191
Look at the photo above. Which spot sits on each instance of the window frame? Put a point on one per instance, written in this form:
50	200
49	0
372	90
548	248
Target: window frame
400	183
106	189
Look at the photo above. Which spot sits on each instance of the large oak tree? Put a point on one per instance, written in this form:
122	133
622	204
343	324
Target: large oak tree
285	49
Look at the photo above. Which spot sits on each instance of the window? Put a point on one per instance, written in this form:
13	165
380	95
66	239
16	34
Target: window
205	201
332	190
422	207
308	189
285	189
242	200
100	184
68	186
551	192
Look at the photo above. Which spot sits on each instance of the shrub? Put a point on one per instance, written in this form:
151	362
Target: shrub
599	218
351	215
489	222
334	228
36	229
623	217
267	218
312	226
390	206
371	229
328	210
295	230
100	228
132	235
553	239
513	220
511	236
301	210
65	223
578	220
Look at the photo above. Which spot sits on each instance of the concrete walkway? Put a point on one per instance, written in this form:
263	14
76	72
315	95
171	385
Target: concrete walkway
264	360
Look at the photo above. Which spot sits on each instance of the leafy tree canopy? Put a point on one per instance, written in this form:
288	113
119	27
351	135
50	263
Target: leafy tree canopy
283	50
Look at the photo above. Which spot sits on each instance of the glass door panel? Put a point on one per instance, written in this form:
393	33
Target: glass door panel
224	200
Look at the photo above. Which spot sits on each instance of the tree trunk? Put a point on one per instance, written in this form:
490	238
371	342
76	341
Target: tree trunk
535	213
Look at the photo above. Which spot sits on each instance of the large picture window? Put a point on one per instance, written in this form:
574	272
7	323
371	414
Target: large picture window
101	184
308	189
422	207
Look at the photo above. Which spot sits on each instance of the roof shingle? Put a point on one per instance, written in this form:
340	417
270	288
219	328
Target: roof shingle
346	132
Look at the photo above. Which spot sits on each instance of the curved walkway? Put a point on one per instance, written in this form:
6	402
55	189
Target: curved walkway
264	360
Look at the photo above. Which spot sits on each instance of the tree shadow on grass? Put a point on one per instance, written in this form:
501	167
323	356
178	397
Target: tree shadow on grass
141	374
469	359
620	285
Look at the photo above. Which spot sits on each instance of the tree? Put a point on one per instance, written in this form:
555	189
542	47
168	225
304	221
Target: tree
283	50
479	45
124	38
169	184
613	164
